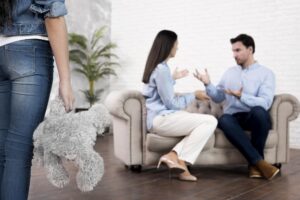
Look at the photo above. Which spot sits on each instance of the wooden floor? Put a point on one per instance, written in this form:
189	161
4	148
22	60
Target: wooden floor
215	182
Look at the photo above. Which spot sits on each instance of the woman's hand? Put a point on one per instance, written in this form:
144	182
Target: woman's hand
180	74
201	95
66	93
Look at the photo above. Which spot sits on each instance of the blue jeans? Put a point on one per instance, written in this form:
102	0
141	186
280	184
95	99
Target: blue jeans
26	72
257	121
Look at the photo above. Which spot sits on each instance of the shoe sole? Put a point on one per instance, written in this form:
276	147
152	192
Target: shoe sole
176	170
275	173
187	179
255	176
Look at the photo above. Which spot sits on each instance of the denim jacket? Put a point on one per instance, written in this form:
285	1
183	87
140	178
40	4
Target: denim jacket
28	16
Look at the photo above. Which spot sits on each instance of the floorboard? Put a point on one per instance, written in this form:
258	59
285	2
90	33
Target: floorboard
215	182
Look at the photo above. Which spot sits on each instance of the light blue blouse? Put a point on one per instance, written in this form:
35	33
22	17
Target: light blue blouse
160	96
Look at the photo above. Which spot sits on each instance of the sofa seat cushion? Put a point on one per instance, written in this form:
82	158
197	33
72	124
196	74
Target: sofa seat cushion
157	143
222	142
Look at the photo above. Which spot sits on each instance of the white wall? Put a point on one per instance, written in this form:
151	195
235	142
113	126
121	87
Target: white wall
204	29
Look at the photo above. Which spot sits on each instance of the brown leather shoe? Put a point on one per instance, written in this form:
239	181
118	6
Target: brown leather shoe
268	171
254	172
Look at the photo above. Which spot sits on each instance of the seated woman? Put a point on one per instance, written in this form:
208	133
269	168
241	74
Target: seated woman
164	109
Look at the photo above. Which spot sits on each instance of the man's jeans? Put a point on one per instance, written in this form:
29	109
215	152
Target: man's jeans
257	121
26	72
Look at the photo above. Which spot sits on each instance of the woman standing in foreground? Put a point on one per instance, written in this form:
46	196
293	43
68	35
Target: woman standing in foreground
31	33
164	109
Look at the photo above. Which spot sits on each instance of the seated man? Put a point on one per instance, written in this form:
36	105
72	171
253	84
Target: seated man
248	91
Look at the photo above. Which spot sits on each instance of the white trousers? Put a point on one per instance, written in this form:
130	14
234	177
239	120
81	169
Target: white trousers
197	129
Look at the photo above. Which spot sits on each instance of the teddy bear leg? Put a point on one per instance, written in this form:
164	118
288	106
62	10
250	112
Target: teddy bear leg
91	169
57	174
38	155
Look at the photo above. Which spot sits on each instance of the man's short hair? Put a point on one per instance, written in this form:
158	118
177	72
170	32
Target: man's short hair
247	40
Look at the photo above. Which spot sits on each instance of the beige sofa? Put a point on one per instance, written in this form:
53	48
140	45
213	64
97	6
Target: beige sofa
135	147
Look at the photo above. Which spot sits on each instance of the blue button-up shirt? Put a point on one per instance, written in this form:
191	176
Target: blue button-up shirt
160	96
257	81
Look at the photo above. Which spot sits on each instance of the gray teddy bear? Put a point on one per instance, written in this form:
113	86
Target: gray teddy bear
71	136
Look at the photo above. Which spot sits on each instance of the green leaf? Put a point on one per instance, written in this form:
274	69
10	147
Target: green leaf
76	39
103	50
107	64
80	53
76	59
81	71
78	56
98	92
109	55
98	34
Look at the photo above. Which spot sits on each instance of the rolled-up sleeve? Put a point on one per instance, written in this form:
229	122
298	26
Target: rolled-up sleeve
49	8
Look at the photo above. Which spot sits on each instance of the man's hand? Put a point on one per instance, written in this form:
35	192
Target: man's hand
237	93
180	74
201	95
204	78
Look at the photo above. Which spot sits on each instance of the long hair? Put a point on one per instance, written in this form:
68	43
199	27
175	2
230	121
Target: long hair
5	12
160	50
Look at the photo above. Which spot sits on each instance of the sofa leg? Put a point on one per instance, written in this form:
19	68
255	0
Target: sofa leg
135	168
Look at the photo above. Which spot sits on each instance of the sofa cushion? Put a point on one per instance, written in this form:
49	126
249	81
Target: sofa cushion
157	143
222	142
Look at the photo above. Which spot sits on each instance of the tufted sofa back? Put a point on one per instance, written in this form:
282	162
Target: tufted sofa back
206	107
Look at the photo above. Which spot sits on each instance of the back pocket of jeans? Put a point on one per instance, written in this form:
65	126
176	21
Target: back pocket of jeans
20	60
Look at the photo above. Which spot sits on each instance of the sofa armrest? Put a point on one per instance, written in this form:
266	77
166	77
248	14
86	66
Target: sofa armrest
116	100
128	111
284	109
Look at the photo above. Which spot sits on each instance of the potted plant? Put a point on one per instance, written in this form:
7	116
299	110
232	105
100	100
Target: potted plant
93	60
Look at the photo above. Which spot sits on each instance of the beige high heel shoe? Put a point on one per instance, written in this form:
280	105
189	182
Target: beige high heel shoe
173	166
188	177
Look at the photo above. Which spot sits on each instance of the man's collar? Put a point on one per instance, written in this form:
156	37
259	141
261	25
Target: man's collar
251	67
